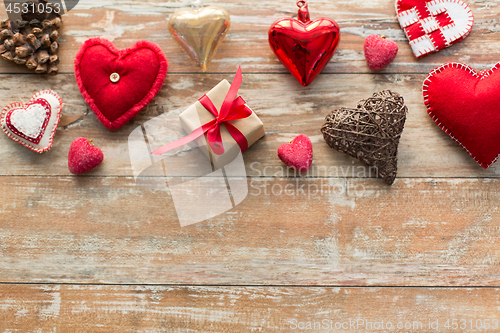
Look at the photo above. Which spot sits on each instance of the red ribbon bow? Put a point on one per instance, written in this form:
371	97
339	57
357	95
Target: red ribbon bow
231	109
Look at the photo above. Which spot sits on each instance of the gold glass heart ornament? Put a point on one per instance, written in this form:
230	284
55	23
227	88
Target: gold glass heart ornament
200	32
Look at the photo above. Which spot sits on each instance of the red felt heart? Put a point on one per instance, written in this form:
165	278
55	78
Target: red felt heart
297	154
303	46
465	105
117	84
432	25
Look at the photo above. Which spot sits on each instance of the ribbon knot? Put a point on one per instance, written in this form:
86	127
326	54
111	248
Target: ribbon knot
232	109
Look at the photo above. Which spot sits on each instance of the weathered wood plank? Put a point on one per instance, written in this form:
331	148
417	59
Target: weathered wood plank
432	232
331	229
54	308
125	22
285	108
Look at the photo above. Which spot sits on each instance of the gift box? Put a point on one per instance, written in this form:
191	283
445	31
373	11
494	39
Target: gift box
196	115
223	126
221	123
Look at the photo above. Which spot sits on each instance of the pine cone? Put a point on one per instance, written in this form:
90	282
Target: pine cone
32	41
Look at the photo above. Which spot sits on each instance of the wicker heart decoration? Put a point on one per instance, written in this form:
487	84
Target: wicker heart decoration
200	32
370	132
433	25
34	124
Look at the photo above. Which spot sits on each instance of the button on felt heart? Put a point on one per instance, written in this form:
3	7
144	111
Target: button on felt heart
34	124
117	84
465	105
433	25
303	46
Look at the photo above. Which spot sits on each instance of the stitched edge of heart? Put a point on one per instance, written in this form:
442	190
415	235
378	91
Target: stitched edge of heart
47	111
460	38
56	111
135	109
482	75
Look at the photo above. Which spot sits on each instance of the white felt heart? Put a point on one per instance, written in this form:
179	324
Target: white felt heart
34	124
434	25
31	121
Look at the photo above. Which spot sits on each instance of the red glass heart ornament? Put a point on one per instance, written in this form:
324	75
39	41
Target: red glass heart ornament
303	46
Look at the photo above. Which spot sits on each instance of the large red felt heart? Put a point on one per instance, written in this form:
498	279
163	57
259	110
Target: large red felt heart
432	25
303	46
117	84
465	105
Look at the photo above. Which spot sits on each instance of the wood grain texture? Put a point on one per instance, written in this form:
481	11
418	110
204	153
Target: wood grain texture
125	22
432	232
285	107
98	253
54	308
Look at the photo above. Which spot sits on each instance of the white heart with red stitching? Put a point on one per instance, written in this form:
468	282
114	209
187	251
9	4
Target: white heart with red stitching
29	121
34	124
434	25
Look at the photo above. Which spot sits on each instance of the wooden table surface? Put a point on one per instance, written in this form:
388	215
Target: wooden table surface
97	253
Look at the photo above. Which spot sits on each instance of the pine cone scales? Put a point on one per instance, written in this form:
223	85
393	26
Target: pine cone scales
32	41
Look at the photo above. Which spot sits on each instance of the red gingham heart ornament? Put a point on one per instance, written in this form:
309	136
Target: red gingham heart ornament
434	25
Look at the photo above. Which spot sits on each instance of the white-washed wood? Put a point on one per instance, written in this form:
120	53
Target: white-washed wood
125	22
102	228
419	232
97	308
285	107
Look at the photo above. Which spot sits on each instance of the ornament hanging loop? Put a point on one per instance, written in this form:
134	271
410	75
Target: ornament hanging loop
303	11
196	4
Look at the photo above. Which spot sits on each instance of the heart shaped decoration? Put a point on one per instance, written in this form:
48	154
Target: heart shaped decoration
379	52
370	132
433	25
34	124
465	105
29	122
83	156
200	32
117	84
303	46
298	154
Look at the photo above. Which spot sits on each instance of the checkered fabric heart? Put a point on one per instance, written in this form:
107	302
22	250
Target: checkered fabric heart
433	25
